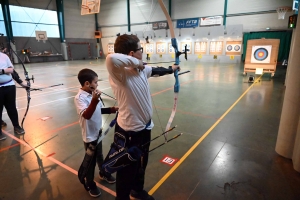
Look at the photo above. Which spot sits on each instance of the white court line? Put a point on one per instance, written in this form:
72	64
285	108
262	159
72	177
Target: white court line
53	91
48	102
57	162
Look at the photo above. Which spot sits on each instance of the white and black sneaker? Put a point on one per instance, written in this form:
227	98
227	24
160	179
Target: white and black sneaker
95	192
107	177
19	130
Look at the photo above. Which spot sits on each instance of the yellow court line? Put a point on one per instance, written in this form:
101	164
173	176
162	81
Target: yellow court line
164	178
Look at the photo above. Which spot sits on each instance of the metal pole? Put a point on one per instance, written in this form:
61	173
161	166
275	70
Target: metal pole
170	8
128	15
96	24
225	12
60	18
7	20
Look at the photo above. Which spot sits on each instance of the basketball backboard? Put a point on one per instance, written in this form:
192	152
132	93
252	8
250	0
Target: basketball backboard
90	7
41	35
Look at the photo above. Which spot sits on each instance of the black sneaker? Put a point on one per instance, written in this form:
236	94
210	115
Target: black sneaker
18	130
143	195
2	137
95	192
3	123
108	178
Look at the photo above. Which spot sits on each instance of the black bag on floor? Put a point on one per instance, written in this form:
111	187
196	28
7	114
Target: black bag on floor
119	156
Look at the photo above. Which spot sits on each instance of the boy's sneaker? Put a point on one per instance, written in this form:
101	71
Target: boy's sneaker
143	195
107	177
95	192
18	130
3	123
2	137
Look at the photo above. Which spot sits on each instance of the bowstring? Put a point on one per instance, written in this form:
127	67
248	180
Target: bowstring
154	105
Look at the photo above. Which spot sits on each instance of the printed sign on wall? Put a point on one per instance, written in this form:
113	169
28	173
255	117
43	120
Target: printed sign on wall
211	21
187	23
261	54
160	25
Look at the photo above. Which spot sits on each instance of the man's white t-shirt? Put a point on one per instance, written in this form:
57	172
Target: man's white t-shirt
89	127
131	88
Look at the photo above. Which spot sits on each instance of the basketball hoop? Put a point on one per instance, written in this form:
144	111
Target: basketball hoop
90	7
282	10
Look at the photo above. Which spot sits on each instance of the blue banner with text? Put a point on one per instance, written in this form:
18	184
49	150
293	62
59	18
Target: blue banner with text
188	23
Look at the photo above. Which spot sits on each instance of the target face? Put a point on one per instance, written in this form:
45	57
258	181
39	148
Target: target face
237	47
261	54
229	48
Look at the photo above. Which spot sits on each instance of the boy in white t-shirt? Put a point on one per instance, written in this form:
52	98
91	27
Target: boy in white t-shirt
89	109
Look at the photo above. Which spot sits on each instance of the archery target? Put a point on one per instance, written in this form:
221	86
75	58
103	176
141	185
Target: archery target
110	48
171	49
261	54
233	48
149	48
160	48
237	47
229	47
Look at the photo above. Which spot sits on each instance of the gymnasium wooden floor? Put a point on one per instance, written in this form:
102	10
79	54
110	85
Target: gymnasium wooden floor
226	151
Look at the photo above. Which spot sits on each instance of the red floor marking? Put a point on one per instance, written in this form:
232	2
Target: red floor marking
61	128
51	154
11	146
168	160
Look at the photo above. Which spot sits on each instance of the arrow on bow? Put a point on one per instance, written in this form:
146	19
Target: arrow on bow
177	61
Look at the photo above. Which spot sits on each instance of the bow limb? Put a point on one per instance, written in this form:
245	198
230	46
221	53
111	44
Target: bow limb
177	54
27	79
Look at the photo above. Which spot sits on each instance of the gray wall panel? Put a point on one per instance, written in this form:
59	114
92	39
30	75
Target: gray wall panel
77	25
243	6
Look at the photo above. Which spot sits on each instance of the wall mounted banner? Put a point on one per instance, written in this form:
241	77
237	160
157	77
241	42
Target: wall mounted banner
261	54
160	25
211	21
188	23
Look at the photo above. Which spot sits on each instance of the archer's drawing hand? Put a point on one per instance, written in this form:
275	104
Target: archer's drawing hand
141	65
96	94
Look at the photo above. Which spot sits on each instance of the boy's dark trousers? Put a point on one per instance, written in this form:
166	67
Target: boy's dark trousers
8	99
132	177
98	158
